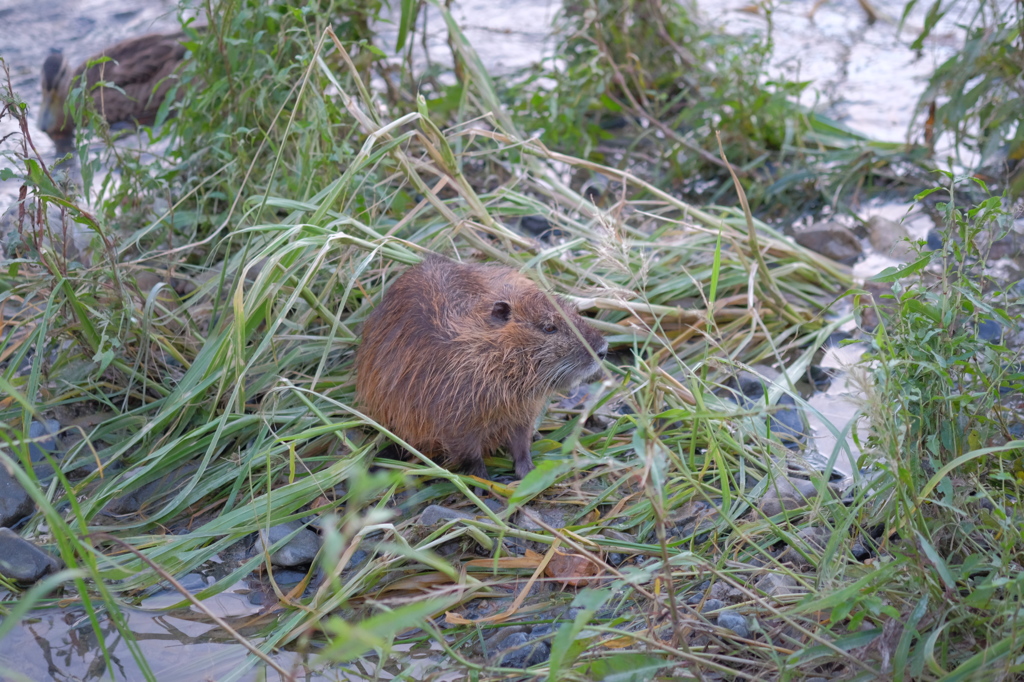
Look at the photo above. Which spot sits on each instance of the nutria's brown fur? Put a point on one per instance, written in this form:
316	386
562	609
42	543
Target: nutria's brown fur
459	359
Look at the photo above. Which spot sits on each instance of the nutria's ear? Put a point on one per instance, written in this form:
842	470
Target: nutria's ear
501	312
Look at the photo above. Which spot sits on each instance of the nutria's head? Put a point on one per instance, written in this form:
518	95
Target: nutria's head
542	341
56	76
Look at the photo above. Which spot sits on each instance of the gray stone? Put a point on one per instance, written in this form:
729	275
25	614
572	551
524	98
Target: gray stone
861	549
812	540
786	493
832	240
358	557
21	561
435	514
725	592
193	582
149	493
730	620
693	518
776	505
554	516
752	384
888	237
776	585
289	577
299	551
542	630
786	422
712	605
522	651
816	537
15	504
44	434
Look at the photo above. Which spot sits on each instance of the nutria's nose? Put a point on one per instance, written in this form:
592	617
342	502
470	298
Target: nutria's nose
602	351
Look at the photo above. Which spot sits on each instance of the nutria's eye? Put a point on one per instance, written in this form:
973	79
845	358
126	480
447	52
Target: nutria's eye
548	328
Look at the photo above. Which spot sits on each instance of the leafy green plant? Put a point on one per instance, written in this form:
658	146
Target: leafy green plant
974	97
946	439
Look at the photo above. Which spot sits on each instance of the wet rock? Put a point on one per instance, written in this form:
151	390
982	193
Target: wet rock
150	493
831	239
193	582
523	652
787	423
436	514
753	384
44	434
299	551
358	557
730	620
288	578
934	240
990	331
21	561
540	227
776	585
543	630
15	504
888	237
819	377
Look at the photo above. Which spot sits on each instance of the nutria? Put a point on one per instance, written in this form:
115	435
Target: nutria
459	359
136	77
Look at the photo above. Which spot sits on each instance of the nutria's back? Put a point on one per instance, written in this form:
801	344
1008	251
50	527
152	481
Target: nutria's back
459	359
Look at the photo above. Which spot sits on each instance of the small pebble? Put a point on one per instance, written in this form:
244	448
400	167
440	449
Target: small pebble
44	434
730	620
712	605
299	551
523	652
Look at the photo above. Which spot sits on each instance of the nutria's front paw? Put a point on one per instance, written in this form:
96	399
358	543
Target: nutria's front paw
523	468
